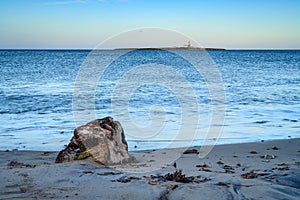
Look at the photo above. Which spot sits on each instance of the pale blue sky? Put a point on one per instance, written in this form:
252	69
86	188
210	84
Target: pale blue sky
213	23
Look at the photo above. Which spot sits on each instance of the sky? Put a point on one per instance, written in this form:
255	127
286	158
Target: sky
81	24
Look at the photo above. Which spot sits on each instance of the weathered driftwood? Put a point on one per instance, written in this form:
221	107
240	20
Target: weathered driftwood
102	140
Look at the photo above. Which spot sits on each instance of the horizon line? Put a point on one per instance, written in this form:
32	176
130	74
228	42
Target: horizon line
90	49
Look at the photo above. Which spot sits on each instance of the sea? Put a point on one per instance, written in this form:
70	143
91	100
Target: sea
150	92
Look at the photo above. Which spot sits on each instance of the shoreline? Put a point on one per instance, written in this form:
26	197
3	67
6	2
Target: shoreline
268	170
157	149
139	143
232	141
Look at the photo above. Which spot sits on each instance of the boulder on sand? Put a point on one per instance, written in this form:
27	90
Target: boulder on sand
102	140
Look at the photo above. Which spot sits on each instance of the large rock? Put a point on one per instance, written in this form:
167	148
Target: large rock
102	140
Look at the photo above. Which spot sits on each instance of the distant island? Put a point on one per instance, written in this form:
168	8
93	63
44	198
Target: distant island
188	46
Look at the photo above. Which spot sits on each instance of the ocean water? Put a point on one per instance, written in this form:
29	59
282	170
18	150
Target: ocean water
262	91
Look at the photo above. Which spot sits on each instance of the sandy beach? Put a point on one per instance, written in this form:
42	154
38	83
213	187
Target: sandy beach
260	170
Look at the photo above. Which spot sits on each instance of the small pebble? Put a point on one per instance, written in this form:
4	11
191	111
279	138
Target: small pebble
269	156
152	182
275	148
203	166
191	151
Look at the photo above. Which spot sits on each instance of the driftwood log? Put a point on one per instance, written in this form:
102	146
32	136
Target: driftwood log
101	140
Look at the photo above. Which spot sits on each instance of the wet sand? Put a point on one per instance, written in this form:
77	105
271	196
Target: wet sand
261	170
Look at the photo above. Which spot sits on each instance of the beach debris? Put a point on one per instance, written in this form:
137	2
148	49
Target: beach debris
109	173
252	174
228	169
178	176
222	184
125	179
203	166
249	175
174	164
281	168
283	164
268	156
191	151
152	182
158	177
253	152
101	140
275	148
220	163
16	164
100	174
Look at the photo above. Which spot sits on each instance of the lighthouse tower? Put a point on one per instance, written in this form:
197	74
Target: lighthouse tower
188	45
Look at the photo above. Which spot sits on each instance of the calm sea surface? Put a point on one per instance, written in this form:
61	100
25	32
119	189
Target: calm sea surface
36	89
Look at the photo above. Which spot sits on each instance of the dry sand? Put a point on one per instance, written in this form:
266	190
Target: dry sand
236	171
